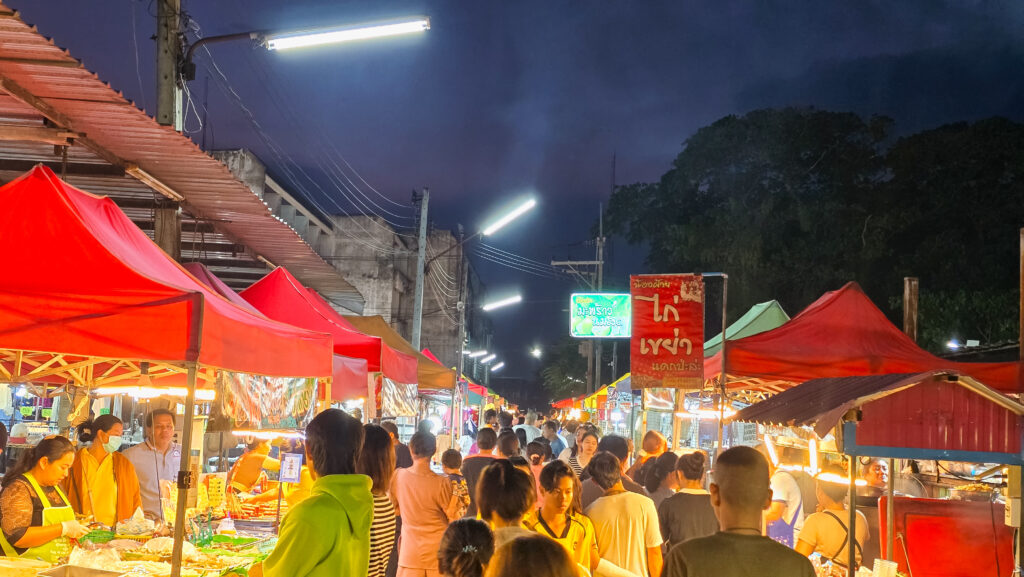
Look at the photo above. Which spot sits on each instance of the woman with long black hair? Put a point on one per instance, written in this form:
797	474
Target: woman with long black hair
36	518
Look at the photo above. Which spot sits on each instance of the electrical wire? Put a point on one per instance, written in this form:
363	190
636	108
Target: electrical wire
519	261
347	187
138	68
514	255
513	266
285	161
291	169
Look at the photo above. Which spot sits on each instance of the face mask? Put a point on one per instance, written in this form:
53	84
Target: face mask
112	444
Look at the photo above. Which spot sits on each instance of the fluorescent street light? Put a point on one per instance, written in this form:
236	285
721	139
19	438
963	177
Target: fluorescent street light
536	352
503	303
321	36
497	367
144	392
488	359
953	345
477	354
516	213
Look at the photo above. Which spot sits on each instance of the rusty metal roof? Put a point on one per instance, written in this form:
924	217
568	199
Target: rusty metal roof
39	80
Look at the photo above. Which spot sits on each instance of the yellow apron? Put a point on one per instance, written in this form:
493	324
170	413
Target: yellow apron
55	550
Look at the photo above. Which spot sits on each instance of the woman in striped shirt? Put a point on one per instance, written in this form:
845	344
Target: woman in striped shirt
377	461
587	448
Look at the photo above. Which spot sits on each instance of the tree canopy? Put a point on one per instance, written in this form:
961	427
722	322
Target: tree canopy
795	202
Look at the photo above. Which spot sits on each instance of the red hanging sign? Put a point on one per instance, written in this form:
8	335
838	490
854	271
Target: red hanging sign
667	346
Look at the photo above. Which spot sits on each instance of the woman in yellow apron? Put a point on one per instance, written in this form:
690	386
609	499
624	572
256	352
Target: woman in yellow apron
36	520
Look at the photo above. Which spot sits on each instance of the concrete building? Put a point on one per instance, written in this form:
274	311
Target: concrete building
379	260
384	272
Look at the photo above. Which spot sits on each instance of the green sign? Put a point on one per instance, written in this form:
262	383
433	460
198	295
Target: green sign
600	315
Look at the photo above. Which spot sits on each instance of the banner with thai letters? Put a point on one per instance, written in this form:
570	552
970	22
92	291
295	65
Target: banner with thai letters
667	346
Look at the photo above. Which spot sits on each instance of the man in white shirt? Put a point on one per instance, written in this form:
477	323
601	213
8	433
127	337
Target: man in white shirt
785	517
626	524
156	459
532	432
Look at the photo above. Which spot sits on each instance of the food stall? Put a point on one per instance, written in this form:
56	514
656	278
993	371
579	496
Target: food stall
935	415
130	314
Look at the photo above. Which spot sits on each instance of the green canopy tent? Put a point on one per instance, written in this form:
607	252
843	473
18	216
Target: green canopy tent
760	318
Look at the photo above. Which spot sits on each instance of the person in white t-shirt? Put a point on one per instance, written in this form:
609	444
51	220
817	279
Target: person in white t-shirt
825	532
532	432
626	524
785	517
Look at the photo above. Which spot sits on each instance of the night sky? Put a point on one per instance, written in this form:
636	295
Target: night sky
503	99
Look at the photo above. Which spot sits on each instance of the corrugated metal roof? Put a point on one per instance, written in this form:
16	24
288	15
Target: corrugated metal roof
818	399
821	403
43	80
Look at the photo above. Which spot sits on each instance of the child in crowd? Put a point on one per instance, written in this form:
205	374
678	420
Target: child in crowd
451	460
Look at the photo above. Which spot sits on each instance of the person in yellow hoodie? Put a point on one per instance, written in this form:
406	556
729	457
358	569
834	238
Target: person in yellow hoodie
328	533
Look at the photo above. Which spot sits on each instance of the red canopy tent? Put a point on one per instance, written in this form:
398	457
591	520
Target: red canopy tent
87	288
280	296
90	299
205	276
841	334
350	375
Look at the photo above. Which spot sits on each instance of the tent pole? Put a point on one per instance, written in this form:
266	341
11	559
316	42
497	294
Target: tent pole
185	480
890	510
721	378
851	525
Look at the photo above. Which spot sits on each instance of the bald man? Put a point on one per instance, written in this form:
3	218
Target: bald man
740	493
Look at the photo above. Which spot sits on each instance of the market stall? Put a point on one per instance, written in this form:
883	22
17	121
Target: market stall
934	415
96	303
839	335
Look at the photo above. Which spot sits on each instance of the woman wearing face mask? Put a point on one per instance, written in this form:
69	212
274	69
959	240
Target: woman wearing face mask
36	520
102	482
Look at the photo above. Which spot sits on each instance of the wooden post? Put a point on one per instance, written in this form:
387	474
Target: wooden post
910	307
910	288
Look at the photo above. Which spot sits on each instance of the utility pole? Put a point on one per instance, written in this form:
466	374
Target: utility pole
456	431
167	224
168	56
421	259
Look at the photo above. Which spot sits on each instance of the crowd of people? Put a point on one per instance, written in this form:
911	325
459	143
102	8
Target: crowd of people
558	499
540	497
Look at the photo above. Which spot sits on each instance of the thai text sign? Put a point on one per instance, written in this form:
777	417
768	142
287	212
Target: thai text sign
667	346
599	315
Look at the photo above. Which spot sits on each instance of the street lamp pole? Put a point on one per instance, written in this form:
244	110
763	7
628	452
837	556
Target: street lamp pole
421	253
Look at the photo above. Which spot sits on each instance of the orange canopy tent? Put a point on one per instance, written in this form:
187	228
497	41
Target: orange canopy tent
841	334
431	374
280	296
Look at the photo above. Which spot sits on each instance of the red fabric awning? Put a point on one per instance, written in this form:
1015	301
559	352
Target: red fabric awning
842	334
431	356
84	280
203	274
564	403
280	296
351	379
